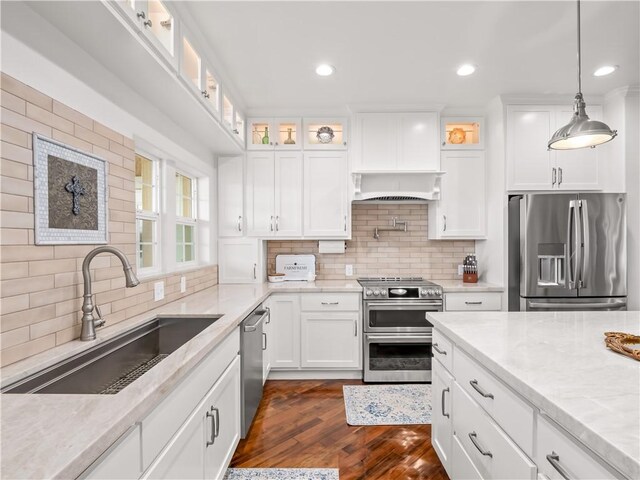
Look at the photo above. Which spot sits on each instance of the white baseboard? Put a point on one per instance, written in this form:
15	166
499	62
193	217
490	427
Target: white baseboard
315	375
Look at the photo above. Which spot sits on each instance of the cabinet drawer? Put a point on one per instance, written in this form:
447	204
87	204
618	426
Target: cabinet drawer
121	460
472	301
461	465
320	302
490	449
443	350
502	404
163	422
556	451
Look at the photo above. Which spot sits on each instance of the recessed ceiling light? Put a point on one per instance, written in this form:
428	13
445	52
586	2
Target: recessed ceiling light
324	70
605	70
466	69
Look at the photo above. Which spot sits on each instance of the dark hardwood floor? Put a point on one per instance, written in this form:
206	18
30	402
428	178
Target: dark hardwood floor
303	424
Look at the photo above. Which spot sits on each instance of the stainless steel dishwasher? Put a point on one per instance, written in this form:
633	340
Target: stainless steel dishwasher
251	346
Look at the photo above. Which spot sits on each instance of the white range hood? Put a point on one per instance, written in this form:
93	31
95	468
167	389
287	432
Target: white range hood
412	186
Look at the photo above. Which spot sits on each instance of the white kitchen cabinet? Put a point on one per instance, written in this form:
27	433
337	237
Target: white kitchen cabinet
202	448
441	421
325	133
122	460
241	260
331	340
396	141
531	166
274	134
461	210
472	301
285	328
326	202
274	194
230	196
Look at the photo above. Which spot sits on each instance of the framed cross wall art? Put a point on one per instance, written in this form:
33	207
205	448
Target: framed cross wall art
70	194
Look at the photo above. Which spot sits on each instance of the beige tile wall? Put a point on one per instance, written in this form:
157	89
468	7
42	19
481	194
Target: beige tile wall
40	286
395	253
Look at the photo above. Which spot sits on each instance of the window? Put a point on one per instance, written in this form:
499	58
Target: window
147	214
185	219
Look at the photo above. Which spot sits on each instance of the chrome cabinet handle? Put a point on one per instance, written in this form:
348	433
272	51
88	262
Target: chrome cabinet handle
477	388
271	223
553	176
217	412
444	223
141	14
264	343
345	223
277	223
212	439
355	325
435	347
268	310
559	176
554	459
147	23
255	265
330	303
205	94
239	223
473	303
444	390
474	439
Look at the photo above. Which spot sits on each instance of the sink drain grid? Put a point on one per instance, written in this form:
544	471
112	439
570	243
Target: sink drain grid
133	375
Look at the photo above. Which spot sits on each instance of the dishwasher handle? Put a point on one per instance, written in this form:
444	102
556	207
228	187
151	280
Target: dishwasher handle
254	326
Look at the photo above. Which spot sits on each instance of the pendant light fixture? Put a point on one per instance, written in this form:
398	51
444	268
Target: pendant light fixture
581	132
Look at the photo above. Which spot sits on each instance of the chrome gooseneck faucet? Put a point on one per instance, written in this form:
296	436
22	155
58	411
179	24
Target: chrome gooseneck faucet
89	322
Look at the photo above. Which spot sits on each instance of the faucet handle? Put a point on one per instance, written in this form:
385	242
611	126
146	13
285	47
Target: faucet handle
99	322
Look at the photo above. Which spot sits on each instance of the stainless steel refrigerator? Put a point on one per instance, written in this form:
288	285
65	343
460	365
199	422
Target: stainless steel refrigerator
567	252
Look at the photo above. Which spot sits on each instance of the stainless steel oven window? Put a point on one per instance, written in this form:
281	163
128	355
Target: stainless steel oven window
397	358
399	317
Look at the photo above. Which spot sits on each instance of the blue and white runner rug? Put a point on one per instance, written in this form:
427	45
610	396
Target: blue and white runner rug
388	404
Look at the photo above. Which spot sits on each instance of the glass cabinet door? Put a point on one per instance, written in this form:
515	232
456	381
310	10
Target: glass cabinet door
325	134
261	134
462	133
239	126
211	91
191	65
160	25
227	112
286	133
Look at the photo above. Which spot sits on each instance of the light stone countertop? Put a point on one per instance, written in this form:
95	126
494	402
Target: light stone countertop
559	363
59	436
455	286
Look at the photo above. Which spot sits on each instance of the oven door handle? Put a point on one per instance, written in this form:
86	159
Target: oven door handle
399	338
400	305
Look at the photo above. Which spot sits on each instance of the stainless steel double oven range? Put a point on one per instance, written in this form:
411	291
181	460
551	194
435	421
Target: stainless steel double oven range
397	334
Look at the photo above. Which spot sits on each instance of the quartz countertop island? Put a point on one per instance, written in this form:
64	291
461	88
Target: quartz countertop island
559	363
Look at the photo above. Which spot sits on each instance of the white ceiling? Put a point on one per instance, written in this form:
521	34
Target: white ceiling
407	52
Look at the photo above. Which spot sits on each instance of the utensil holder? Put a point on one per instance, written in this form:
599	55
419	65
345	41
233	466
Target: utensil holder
470	278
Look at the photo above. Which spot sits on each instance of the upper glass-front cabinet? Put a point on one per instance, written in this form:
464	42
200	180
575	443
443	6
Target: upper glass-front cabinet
325	134
274	133
211	90
227	112
191	65
462	133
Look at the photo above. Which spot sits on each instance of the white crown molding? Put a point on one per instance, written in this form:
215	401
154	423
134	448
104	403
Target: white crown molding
551	99
394	108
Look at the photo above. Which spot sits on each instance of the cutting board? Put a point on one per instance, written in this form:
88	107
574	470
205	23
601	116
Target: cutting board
296	267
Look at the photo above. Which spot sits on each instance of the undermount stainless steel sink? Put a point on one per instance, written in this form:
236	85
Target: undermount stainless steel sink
111	366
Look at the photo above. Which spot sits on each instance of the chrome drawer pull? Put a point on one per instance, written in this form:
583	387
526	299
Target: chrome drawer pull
443	392
476	387
217	412
473	303
213	429
554	459
330	303
435	347
473	437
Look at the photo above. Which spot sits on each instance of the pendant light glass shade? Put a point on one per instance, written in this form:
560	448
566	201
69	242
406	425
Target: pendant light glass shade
580	132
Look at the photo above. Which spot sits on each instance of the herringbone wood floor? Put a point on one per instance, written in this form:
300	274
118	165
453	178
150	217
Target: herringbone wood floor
303	424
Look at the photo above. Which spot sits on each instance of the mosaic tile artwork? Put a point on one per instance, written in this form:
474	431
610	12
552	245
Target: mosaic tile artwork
70	191
387	404
282	474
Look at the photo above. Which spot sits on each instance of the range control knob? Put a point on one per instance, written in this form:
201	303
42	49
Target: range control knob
376	292
431	292
424	292
368	293
383	293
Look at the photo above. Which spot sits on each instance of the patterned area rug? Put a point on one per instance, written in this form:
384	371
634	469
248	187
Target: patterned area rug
387	404
281	474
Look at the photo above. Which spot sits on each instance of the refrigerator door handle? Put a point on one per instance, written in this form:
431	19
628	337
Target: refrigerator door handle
574	243
614	304
584	233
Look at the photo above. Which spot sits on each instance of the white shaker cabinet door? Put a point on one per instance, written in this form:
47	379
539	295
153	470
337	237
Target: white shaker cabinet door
577	169
442	425
376	144
418	141
240	260
288	194
260	194
326	204
529	163
230	196
330	340
285	329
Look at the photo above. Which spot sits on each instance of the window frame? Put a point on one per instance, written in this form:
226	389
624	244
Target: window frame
153	216
182	221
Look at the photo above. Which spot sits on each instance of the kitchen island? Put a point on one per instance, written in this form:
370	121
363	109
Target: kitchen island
545	395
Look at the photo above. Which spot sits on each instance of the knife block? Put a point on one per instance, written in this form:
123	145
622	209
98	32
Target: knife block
470	278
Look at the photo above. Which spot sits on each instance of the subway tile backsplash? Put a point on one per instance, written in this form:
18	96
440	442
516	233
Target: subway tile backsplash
394	253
